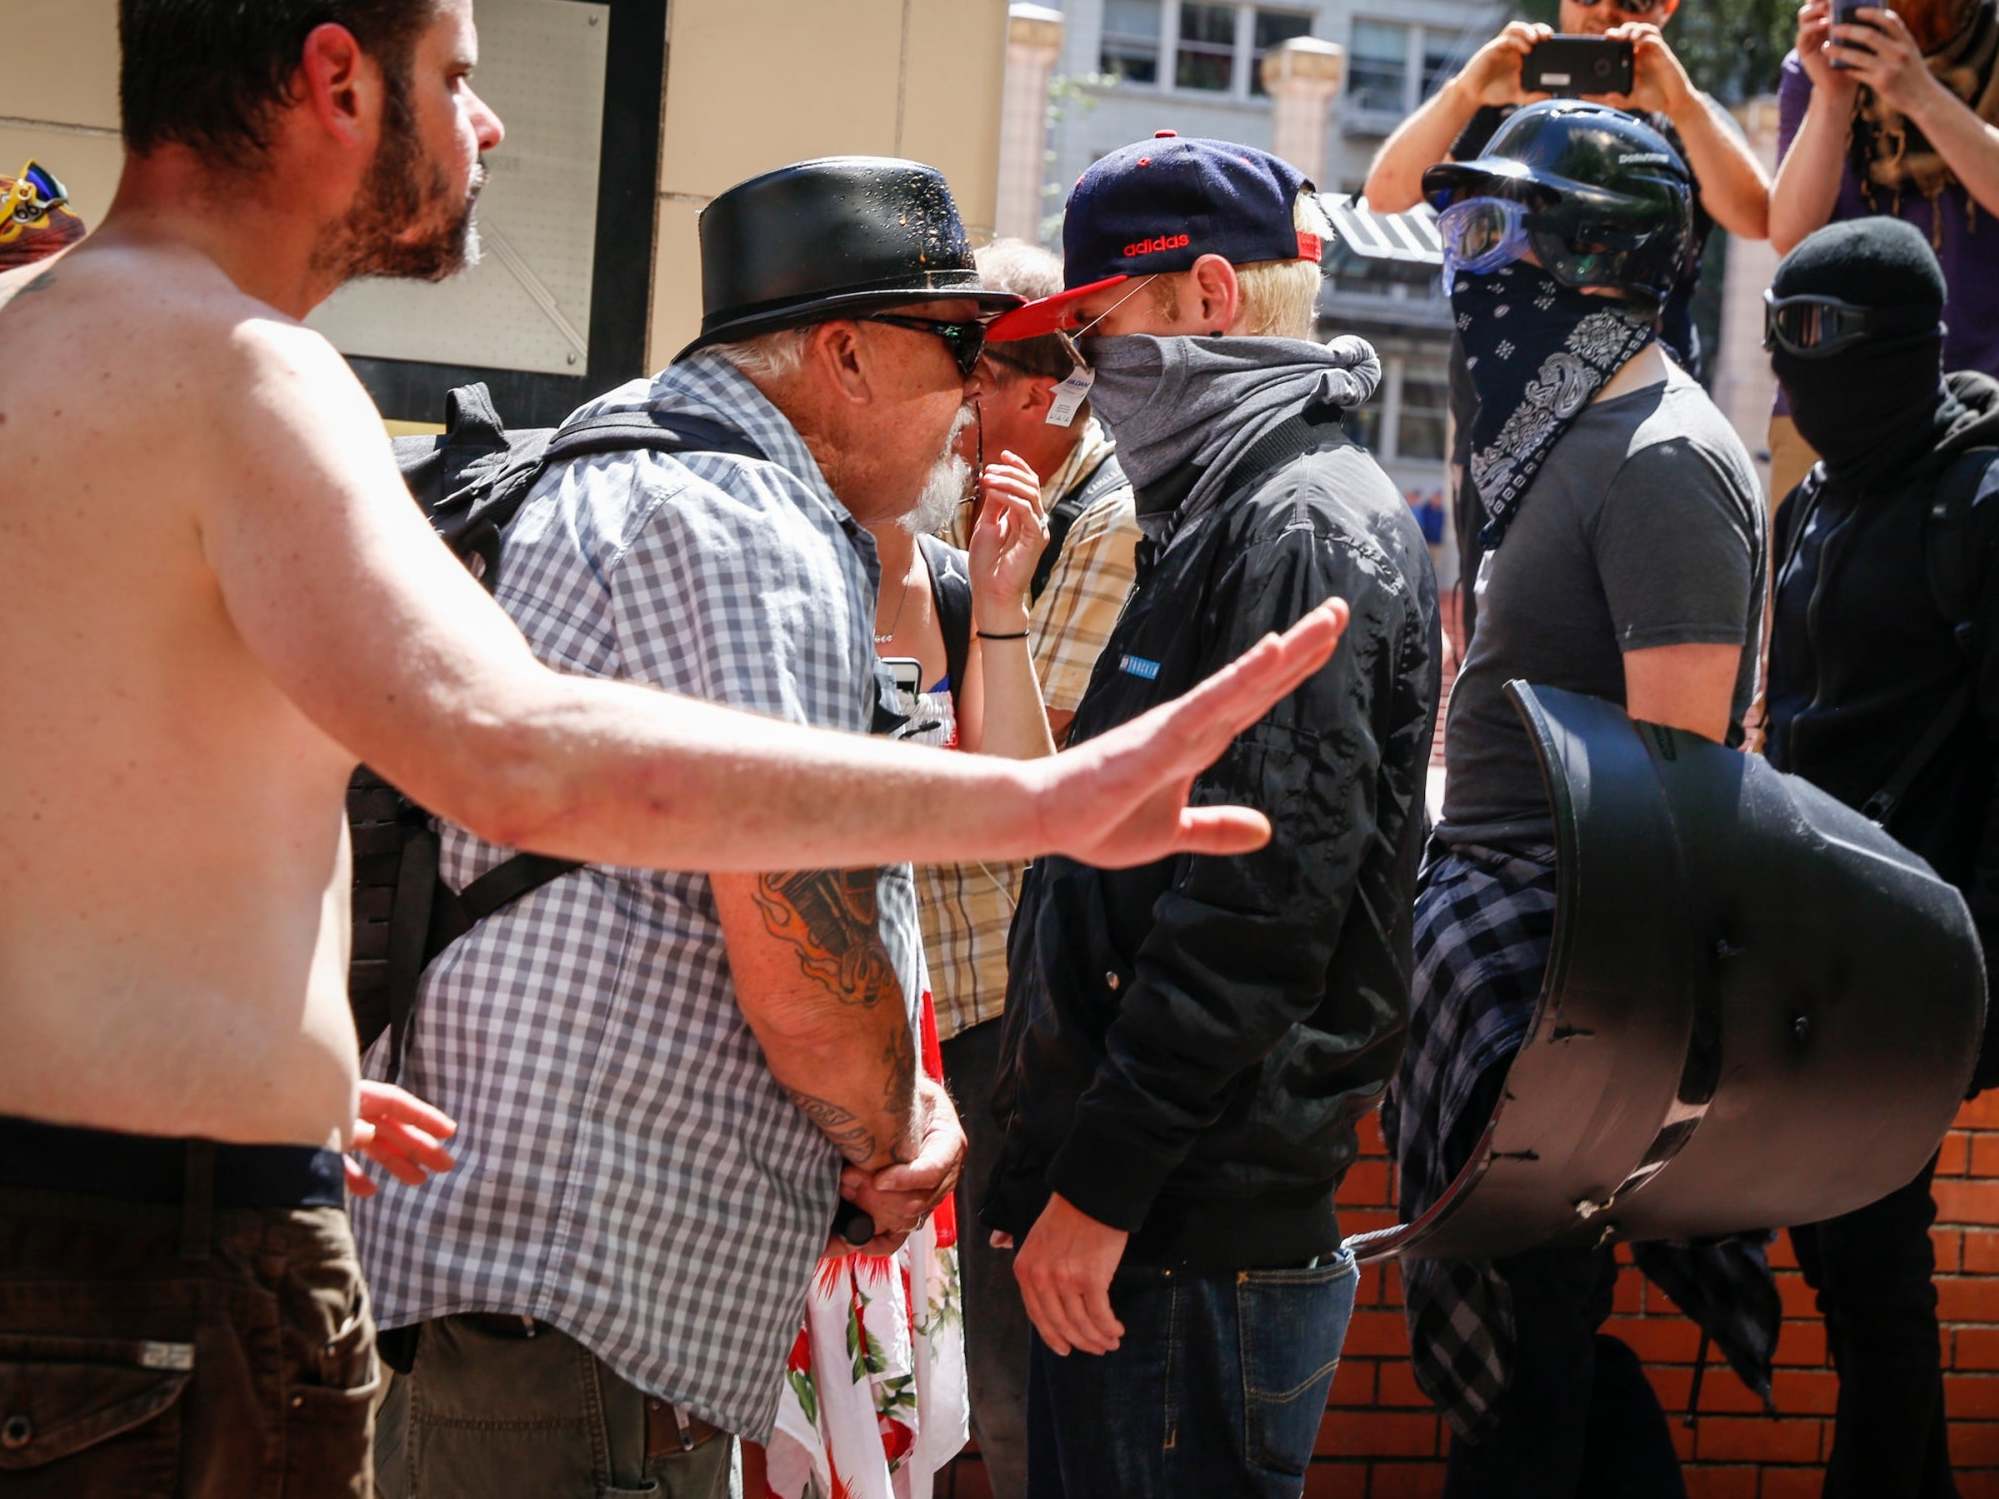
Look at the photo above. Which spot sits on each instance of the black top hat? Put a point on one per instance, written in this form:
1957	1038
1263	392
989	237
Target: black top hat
837	236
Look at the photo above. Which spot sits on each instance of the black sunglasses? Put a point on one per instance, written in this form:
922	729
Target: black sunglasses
1817	327
966	341
1629	7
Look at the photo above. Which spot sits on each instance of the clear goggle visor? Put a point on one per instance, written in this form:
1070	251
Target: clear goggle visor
1481	235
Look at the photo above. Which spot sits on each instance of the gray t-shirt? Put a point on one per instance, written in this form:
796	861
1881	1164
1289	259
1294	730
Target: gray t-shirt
1644	528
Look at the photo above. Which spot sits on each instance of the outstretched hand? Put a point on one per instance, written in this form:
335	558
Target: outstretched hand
398	1132
1093	800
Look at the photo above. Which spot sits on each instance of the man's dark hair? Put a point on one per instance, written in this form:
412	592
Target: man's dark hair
210	74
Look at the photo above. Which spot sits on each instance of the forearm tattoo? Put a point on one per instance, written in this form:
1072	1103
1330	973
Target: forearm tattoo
830	917
900	1090
855	1140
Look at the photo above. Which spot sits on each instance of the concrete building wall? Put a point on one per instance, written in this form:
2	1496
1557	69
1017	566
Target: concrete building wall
750	85
753	84
1098	117
60	103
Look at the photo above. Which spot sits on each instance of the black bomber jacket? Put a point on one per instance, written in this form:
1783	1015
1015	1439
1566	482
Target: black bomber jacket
1863	658
1187	1045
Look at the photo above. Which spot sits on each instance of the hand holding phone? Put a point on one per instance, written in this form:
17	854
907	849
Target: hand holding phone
1845	13
1571	66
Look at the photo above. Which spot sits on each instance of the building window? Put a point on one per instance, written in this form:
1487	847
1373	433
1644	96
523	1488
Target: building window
1273	28
1131	40
1378	67
1363	425
1419	427
1440	61
1195	46
1204	58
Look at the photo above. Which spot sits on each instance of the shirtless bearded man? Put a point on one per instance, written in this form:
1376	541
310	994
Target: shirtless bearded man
219	596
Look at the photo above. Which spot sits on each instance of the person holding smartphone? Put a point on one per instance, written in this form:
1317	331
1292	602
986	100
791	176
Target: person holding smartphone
1895	112
1456	122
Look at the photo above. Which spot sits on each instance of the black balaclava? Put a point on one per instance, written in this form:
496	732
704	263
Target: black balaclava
1879	404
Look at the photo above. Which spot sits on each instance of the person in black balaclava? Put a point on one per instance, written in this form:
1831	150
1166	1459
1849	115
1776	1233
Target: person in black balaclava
1623	535
1884	692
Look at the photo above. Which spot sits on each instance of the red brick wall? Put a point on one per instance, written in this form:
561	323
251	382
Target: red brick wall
1383	1440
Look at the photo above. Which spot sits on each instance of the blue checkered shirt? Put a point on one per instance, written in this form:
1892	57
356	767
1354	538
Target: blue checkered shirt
629	1170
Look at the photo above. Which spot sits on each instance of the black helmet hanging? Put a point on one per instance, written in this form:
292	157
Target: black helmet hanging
1609	201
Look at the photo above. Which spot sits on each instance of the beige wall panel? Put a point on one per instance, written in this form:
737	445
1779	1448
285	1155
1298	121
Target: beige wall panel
71	69
951	83
676	282
88	164
753	84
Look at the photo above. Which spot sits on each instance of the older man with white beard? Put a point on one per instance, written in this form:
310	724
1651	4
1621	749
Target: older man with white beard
659	1077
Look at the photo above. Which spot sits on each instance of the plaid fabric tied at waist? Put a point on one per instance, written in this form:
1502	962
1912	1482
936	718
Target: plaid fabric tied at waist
1485	922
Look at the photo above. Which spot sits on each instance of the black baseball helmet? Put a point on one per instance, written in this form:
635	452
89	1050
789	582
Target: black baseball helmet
1609	201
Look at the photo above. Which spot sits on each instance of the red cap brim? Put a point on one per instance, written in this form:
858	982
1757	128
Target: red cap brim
1049	315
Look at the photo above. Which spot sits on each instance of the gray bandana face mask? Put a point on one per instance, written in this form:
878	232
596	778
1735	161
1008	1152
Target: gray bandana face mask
1170	402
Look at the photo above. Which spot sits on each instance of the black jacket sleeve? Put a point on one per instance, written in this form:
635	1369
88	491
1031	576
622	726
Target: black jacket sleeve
1239	949
1983	895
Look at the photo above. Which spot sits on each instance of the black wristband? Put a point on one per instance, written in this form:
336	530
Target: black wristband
983	635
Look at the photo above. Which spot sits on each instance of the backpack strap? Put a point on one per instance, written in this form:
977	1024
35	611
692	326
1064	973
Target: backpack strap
642	431
428	914
1952	569
951	588
1101	480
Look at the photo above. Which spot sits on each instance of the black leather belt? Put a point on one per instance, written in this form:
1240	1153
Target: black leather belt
154	1168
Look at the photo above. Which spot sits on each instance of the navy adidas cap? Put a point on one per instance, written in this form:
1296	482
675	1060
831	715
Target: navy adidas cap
1158	206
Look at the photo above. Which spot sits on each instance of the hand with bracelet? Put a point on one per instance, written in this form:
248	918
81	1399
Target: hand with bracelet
1007	541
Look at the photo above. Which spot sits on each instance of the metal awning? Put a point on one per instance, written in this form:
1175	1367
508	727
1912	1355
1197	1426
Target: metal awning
1381	246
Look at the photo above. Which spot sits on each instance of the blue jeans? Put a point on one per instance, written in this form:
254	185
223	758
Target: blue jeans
1218	1387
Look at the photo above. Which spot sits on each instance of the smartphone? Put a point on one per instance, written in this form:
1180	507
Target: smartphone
1574	65
1843	15
907	671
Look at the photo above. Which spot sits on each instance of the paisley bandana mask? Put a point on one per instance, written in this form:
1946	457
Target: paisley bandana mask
1537	352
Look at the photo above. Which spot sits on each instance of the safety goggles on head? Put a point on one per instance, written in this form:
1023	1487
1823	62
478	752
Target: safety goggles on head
1817	327
34	193
1480	235
966	341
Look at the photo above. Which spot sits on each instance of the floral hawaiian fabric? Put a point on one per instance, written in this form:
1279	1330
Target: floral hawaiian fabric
1537	352
875	1400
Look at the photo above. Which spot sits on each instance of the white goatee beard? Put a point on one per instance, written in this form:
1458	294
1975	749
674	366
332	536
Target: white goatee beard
944	491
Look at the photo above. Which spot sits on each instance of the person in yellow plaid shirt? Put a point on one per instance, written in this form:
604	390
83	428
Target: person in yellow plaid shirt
966	908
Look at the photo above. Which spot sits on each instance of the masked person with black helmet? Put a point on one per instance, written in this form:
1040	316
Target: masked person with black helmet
1457	122
1884	692
1623	558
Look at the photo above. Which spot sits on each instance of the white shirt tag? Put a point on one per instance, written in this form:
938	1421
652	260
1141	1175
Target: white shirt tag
1069	396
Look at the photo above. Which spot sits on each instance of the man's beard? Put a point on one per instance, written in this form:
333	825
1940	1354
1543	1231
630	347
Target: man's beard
403	189
944	491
